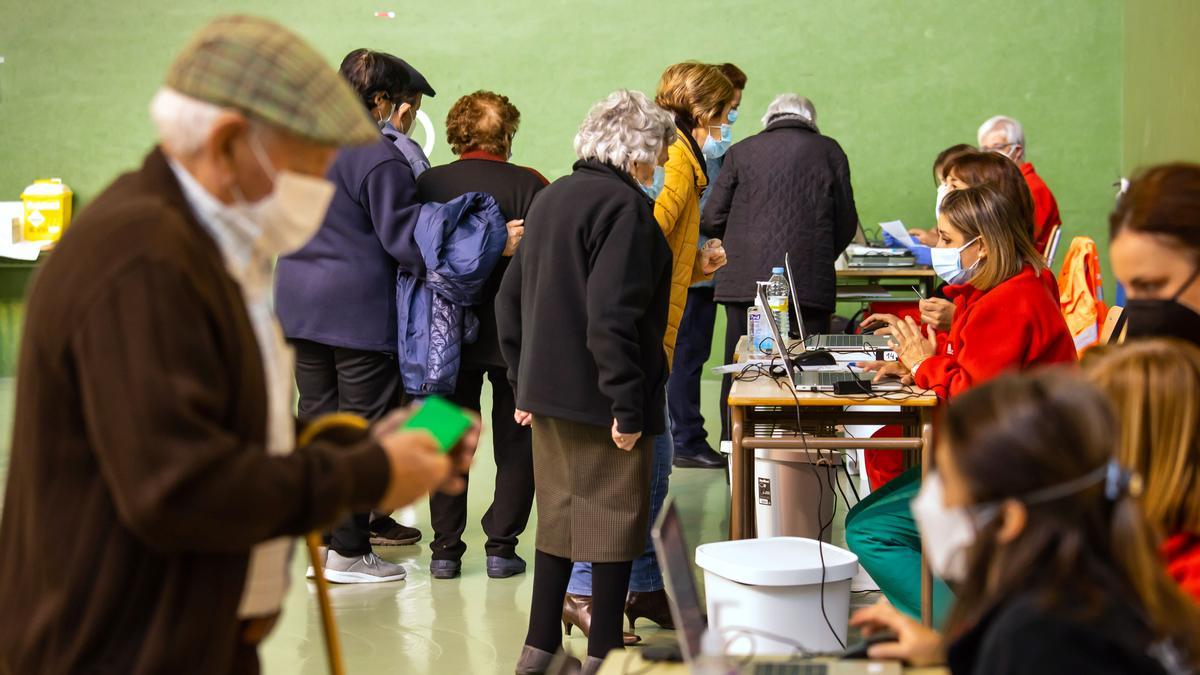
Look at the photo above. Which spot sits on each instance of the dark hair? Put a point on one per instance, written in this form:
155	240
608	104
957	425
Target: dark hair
944	157
483	121
371	72
985	211
736	77
1162	200
1022	433
992	168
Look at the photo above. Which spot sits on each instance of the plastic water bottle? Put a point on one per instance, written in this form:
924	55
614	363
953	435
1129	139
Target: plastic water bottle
777	298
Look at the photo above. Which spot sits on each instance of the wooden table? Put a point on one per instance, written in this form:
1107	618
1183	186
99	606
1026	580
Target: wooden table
885	280
630	661
773	404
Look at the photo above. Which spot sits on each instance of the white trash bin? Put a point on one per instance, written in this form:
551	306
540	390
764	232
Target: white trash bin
794	492
760	587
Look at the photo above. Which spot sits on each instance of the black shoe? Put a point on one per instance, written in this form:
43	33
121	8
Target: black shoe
502	568
445	569
387	532
705	459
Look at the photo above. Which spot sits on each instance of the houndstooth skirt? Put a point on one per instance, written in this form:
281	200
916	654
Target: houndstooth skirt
593	499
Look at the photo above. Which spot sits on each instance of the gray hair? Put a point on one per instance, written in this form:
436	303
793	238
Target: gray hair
183	122
1014	133
625	128
791	105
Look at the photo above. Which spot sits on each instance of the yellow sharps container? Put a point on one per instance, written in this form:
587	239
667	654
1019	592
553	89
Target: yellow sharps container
47	210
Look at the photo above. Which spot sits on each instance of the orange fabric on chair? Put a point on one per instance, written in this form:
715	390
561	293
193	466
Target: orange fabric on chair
1081	293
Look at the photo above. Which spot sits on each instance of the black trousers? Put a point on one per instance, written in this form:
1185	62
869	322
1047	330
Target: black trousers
692	348
816	322
512	499
335	379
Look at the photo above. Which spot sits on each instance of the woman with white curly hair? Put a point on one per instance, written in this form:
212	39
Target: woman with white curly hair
581	315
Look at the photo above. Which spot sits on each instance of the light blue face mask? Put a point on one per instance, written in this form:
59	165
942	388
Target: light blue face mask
713	148
732	115
947	262
653	190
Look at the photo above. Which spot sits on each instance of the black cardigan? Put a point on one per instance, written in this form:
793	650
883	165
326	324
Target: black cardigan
785	189
1025	637
582	309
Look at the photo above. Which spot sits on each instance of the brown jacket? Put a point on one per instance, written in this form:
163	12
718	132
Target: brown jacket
139	478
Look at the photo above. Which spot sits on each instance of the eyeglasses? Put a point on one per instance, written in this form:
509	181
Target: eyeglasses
998	148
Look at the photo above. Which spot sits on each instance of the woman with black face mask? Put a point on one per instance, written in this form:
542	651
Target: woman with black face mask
1155	253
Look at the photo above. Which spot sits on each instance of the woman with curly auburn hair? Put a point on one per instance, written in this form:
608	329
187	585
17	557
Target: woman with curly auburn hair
480	129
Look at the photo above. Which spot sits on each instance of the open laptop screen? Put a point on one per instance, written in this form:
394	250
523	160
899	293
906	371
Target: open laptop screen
674	558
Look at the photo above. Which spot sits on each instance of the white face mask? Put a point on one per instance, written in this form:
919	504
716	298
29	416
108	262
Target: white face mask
947	262
942	191
293	211
947	533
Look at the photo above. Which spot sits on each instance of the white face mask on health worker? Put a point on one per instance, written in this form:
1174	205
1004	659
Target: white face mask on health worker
947	534
942	190
290	214
947	262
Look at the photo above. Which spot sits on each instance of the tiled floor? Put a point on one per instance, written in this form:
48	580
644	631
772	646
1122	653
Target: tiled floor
468	625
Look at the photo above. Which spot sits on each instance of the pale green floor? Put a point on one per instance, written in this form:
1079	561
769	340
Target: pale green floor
468	625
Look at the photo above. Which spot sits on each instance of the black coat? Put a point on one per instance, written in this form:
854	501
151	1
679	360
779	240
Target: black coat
582	309
1025	637
785	189
513	188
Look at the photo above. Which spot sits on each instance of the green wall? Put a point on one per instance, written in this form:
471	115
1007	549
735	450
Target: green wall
1161	82
893	81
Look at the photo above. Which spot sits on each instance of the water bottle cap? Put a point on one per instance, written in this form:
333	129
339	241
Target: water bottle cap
776	270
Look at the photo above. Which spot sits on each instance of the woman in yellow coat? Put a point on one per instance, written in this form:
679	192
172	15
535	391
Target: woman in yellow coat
700	97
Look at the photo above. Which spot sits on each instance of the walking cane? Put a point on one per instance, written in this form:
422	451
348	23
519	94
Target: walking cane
333	646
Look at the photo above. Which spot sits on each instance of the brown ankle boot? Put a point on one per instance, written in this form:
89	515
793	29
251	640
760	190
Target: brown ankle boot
652	605
577	611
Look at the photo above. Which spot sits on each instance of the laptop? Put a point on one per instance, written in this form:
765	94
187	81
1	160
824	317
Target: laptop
833	343
818	380
880	258
690	623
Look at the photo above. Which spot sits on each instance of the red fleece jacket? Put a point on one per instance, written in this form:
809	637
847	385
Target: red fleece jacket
1045	207
1182	552
1014	326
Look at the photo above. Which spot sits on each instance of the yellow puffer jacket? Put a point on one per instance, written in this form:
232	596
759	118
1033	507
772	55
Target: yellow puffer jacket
677	211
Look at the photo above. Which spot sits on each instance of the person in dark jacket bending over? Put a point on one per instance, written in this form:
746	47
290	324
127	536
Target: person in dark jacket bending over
581	314
783	190
480	128
336	298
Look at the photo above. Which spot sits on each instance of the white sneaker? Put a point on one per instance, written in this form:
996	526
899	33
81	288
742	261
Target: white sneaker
367	569
323	554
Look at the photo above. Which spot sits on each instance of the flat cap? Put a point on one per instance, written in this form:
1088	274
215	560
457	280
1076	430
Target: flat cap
416	81
261	68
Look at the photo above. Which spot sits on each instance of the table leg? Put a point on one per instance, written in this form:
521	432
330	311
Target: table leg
926	464
742	501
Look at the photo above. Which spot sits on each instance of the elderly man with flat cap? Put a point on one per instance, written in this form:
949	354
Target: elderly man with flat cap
154	400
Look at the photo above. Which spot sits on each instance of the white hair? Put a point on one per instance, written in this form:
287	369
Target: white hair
625	128
1014	133
183	122
792	105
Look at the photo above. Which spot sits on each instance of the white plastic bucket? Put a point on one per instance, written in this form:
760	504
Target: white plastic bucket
765	595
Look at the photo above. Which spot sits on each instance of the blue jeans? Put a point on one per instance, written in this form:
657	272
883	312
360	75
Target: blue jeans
646	576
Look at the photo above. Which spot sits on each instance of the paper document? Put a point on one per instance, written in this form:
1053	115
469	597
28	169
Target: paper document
898	232
26	250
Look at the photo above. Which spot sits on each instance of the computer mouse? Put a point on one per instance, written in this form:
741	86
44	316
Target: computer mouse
816	357
859	649
870	328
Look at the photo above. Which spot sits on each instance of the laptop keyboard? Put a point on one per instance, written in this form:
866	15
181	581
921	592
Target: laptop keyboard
790	669
843	340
